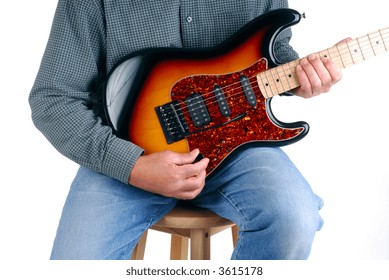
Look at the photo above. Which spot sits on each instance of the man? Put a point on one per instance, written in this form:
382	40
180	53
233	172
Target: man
118	191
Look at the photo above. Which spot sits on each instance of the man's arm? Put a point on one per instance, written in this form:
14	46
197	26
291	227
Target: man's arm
73	61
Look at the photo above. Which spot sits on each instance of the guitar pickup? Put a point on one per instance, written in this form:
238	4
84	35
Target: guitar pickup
248	90
222	102
197	110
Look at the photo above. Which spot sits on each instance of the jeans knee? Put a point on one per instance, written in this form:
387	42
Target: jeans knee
297	224
283	234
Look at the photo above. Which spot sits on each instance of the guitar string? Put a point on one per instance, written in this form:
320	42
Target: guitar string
349	49
284	77
370	52
255	87
362	40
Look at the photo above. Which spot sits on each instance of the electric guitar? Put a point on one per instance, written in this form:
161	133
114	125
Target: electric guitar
216	99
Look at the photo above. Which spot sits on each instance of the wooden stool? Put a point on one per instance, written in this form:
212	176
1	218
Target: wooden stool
188	222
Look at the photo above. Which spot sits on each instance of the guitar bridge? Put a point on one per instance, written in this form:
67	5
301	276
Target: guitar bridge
172	122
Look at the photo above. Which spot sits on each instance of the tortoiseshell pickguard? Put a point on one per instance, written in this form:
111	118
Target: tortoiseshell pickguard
223	135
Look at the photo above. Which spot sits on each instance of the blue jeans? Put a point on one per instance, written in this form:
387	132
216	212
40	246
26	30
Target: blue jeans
260	190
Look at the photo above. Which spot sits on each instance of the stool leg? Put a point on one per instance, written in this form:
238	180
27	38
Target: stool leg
234	231
200	244
139	250
179	247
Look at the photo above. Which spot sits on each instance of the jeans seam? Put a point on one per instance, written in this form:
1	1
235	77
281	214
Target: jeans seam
225	196
237	247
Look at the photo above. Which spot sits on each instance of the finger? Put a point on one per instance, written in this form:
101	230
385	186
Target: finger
193	169
305	89
186	158
188	195
193	186
333	70
327	71
318	74
345	40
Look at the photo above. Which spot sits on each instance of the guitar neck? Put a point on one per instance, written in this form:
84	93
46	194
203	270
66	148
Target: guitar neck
283	78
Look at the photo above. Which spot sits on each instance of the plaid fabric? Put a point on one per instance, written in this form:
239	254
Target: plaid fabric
89	37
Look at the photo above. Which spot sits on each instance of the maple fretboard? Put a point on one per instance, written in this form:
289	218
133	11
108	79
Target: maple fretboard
282	78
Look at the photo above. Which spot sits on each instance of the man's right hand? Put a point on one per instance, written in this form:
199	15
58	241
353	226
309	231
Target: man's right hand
170	174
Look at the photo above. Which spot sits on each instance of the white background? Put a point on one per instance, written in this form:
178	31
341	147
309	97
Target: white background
344	157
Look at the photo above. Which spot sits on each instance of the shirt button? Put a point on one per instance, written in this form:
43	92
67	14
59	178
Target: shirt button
189	19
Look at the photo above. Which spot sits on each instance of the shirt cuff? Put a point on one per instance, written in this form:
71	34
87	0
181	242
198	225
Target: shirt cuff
120	158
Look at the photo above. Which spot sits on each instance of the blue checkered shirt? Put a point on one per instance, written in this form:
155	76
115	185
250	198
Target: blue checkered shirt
89	36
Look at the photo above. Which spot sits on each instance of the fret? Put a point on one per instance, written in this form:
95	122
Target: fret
263	84
277	80
271	83
290	70
385	37
377	43
335	54
366	47
355	51
267	84
286	77
324	54
345	55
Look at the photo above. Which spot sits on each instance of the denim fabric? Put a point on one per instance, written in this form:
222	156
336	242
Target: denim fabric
260	190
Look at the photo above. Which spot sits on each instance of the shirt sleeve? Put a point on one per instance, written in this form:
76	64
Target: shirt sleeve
70	70
283	51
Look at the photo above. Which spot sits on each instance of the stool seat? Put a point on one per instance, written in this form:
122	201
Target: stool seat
187	222
191	217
